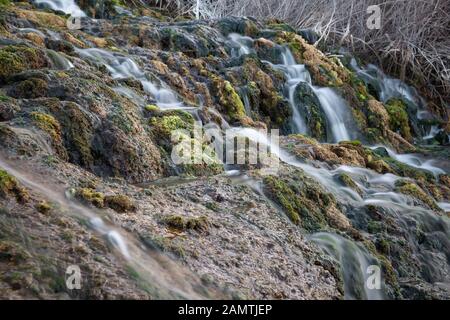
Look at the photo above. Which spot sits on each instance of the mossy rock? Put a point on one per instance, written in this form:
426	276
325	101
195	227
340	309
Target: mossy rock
239	25
43	207
304	203
280	26
120	203
347	181
186	223
10	187
266	103
413	190
15	59
228	98
77	131
51	126
90	196
165	123
398	118
30	89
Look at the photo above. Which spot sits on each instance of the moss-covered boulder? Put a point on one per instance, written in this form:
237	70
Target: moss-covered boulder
14	59
229	100
30	89
9	186
119	203
305	203
398	117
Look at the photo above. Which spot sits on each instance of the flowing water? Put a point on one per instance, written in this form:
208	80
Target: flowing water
165	278
171	280
376	189
334	106
122	67
59	61
354	261
66	6
240	45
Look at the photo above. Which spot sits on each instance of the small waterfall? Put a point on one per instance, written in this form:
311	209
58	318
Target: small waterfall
413	160
377	190
28	30
66	6
59	62
166	278
354	261
335	108
122	67
240	45
434	131
295	73
388	88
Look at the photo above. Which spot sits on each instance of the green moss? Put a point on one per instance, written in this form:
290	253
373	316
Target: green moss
47	123
266	102
347	181
413	190
43	207
31	88
119	203
10	63
398	117
186	223
281	27
89	195
4	2
359	86
4	98
167	122
229	99
14	59
355	143
152	108
10	186
304	204
375	227
78	132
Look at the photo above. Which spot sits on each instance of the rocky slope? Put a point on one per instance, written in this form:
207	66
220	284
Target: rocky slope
87	177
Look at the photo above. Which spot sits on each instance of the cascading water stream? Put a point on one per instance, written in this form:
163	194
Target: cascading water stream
354	261
334	106
59	62
66	6
164	276
388	88
240	45
377	189
122	67
413	160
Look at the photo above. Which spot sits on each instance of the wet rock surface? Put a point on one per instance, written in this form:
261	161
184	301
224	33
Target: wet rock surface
86	123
